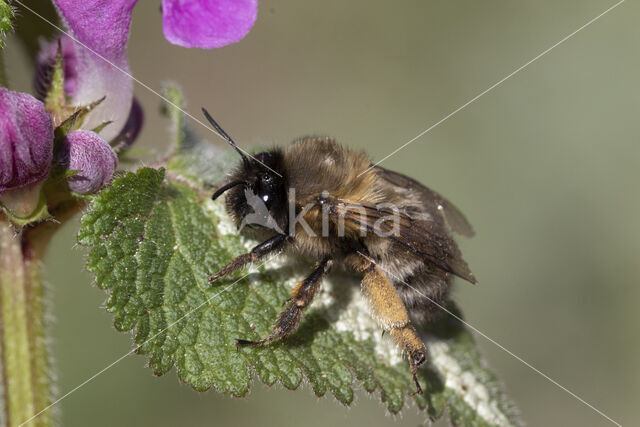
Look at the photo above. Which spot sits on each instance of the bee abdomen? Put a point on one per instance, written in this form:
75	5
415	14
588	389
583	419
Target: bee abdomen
424	294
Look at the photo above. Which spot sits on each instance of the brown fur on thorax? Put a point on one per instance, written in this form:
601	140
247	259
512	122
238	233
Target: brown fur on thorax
320	166
315	165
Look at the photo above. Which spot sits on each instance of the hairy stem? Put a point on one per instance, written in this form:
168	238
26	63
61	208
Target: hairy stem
26	385
6	18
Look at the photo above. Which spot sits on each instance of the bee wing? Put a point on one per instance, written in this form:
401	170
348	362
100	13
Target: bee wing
422	237
434	203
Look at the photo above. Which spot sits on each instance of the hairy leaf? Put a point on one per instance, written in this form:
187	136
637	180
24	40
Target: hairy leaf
155	235
6	16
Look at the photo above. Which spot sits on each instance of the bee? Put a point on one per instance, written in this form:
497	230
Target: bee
318	199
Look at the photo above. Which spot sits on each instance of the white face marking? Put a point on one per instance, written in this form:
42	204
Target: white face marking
265	197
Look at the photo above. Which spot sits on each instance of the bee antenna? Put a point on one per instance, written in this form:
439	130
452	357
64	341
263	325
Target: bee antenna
223	134
224	188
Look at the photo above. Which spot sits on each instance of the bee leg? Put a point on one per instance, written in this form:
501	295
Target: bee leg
301	296
254	255
389	310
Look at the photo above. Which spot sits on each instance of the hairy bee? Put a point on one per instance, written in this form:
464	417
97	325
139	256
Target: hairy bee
318	199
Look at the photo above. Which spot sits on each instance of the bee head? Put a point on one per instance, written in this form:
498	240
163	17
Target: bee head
256	189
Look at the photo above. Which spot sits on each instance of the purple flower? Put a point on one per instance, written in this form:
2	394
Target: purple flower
132	128
26	140
102	28
86	152
207	23
96	65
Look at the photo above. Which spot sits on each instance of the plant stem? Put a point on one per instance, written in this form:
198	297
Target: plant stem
26	385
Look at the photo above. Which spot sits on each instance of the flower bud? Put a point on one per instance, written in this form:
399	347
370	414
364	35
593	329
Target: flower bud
86	152
26	140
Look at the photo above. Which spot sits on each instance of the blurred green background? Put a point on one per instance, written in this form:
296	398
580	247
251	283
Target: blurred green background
544	166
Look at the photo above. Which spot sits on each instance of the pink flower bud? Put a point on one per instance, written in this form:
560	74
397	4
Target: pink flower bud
87	152
26	140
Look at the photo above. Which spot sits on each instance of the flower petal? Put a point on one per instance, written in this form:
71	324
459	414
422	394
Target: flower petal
103	27
132	128
207	23
87	152
26	140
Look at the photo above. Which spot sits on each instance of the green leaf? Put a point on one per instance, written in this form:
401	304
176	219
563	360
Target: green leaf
6	17
72	119
155	236
54	101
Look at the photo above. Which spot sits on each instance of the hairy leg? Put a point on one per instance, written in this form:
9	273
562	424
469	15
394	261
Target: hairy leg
389	310
301	296
254	255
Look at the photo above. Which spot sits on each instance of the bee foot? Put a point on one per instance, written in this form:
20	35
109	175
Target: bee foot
418	388
214	277
240	342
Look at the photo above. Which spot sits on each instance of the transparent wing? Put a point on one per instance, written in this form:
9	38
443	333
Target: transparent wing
433	202
424	238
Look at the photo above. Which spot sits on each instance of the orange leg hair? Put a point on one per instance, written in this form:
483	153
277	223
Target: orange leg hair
389	310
